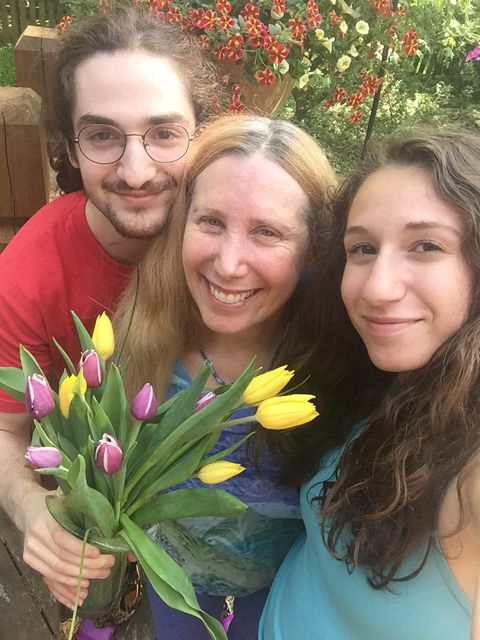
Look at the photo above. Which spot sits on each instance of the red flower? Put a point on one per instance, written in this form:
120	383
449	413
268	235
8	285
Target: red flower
256	31
340	95
276	51
265	77
223	6
383	6
249	11
329	103
333	19
314	19
355	117
279	7
236	105
234	47
225	22
208	21
220	52
297	28
204	42
370	84
410	42
64	23
356	99
159	5
174	16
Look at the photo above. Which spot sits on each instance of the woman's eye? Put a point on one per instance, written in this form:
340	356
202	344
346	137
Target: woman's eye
210	222
426	246
268	234
361	250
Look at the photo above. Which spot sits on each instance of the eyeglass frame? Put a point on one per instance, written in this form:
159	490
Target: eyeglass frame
140	135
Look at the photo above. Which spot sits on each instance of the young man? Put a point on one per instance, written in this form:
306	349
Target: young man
129	94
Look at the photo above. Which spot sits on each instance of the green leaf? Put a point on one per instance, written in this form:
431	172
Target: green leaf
29	364
13	382
78	420
101	420
194	426
88	501
221	455
189	503
156	480
114	403
70	366
167	578
83	335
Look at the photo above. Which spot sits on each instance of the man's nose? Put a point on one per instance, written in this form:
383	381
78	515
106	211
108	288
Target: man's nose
136	167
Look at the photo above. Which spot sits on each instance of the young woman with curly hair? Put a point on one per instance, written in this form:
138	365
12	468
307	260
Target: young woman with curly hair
392	544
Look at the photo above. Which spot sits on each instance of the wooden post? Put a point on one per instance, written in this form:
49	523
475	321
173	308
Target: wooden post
35	54
24	177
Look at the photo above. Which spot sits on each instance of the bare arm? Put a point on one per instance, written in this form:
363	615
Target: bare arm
47	547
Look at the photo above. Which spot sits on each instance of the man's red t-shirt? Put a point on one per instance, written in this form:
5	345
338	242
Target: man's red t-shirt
52	265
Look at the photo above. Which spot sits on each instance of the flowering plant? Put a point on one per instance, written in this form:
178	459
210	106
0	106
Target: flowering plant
265	40
115	463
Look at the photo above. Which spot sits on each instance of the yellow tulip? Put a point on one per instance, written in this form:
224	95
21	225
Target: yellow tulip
267	385
102	336
219	471
284	412
71	385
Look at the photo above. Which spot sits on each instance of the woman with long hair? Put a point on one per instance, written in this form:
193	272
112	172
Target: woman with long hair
392	514
222	284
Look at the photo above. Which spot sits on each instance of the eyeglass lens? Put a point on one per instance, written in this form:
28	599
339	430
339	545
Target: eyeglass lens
104	143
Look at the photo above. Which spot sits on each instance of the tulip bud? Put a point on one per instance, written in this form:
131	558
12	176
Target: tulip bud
284	412
102	336
43	457
92	370
88	630
144	405
267	385
204	400
108	455
219	471
70	385
38	396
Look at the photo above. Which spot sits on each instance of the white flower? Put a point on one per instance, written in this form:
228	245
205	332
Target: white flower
343	63
303	81
362	27
328	44
319	34
343	26
283	67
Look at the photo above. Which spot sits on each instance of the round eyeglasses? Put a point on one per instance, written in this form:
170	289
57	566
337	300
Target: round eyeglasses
105	144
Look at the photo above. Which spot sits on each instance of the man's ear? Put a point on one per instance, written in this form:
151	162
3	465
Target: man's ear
71	152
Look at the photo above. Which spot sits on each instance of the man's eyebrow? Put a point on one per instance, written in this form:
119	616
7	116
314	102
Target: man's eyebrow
92	118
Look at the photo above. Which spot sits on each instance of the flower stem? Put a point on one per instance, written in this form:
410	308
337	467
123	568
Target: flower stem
79	582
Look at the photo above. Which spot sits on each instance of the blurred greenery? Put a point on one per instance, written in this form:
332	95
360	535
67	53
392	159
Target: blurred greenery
7	69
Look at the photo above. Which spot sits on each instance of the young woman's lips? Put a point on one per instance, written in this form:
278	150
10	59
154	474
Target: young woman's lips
228	296
388	326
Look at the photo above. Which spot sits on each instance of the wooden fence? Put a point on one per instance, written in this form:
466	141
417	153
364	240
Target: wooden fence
15	15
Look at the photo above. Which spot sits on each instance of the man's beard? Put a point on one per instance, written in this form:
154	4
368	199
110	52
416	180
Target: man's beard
124	221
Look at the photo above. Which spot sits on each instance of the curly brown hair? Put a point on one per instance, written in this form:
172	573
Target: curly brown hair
421	430
124	29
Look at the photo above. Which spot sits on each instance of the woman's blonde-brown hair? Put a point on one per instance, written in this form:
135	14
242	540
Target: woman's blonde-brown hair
165	321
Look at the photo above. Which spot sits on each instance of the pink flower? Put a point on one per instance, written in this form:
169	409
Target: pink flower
474	54
108	455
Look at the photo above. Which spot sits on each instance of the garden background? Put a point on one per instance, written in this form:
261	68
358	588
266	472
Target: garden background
405	61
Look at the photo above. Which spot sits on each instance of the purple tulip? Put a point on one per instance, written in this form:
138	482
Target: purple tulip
89	631
38	396
43	457
108	455
144	405
474	54
204	399
92	370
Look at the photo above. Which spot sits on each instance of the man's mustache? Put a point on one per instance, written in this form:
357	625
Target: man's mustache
151	187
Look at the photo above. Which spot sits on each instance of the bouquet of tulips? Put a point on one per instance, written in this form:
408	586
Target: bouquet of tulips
115	463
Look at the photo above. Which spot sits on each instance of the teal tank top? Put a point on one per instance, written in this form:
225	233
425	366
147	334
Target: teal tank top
314	597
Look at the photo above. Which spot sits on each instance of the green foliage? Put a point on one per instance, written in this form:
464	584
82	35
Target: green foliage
7	68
